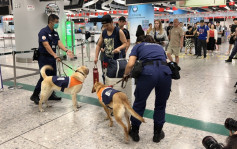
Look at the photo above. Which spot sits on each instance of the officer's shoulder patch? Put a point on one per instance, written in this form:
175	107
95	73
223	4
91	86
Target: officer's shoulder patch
43	37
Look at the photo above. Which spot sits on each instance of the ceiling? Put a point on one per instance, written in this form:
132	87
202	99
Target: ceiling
107	5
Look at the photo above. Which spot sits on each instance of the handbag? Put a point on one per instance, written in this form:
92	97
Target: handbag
35	54
137	69
116	68
95	74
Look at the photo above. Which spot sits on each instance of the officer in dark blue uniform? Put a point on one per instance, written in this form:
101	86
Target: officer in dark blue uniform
155	74
48	40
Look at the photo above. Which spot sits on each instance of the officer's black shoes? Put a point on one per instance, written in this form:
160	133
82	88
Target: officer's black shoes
158	133
35	97
54	97
134	133
158	136
228	60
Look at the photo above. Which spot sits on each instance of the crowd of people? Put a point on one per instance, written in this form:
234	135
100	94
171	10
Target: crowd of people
198	36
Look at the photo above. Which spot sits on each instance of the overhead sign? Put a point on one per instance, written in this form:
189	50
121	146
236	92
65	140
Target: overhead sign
135	2
200	3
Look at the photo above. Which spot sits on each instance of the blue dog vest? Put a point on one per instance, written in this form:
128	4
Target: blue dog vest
65	82
106	94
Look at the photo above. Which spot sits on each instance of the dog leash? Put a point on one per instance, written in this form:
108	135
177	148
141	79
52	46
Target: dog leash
123	85
70	68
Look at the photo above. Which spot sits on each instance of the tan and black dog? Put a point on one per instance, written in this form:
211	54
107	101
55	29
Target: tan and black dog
118	101
71	85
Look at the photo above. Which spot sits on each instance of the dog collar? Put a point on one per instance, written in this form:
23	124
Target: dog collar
80	73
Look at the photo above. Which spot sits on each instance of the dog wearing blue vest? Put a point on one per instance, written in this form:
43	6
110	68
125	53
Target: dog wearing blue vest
71	85
116	100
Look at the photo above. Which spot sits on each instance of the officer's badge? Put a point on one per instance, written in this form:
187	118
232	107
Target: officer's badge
43	37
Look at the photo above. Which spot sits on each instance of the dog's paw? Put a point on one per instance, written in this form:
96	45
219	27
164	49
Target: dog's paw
49	106
75	109
127	140
78	106
41	110
111	124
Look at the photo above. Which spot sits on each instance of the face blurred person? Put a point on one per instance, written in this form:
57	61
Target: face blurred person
176	23
157	25
121	24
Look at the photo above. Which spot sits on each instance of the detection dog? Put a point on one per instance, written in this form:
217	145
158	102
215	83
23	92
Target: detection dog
71	85
118	101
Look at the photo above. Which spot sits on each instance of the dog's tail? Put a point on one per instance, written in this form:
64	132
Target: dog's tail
132	112
43	69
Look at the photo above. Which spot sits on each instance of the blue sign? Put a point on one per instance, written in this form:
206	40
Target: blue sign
139	15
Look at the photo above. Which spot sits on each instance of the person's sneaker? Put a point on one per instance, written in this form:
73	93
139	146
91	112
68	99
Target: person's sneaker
35	98
134	133
54	97
228	60
158	136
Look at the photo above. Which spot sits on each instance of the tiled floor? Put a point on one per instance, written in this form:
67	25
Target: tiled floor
204	92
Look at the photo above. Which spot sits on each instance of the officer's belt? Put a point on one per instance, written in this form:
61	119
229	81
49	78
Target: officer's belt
46	54
157	62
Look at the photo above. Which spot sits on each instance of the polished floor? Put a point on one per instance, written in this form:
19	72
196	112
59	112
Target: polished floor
198	106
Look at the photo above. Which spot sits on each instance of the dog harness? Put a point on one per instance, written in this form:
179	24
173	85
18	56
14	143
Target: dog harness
106	94
65	82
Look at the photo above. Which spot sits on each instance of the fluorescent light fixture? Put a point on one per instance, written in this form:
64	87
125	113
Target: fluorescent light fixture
226	7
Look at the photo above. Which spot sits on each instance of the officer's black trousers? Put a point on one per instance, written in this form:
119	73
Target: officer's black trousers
45	60
145	84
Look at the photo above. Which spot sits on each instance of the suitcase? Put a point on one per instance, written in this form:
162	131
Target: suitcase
127	90
95	75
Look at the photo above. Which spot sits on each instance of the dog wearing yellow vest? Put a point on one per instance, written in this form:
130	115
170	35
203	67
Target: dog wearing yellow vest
71	85
110	98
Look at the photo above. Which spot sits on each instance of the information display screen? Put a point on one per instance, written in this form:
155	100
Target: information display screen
70	34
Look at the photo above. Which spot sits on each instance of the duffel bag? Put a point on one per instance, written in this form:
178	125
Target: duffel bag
116	68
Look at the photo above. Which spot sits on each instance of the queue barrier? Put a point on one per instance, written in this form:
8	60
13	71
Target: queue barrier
14	66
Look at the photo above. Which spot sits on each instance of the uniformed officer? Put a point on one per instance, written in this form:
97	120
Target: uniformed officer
155	74
48	40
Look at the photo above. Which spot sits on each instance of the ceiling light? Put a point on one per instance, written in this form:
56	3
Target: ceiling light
226	7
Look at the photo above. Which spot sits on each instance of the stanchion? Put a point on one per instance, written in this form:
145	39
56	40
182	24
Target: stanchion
88	50
1	84
14	71
82	54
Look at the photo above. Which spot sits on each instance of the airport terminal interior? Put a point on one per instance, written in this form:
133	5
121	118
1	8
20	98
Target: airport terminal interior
199	104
